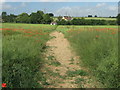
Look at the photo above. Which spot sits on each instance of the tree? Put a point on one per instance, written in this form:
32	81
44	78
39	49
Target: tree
4	16
36	17
118	19
33	18
95	15
89	15
39	16
11	18
47	19
59	18
51	14
23	18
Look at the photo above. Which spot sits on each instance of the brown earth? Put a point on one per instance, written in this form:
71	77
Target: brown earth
60	59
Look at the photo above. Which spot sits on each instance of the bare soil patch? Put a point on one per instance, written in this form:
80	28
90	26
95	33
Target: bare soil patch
62	67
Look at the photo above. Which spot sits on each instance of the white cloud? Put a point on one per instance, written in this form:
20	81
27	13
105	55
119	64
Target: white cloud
100	5
5	6
112	8
85	11
2	1
23	4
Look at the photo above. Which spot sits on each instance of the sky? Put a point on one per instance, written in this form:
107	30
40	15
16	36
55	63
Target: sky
103	9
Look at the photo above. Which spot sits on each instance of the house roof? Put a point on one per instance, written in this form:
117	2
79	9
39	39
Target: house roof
67	17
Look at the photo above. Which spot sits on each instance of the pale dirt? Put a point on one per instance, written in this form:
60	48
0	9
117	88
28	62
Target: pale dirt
61	51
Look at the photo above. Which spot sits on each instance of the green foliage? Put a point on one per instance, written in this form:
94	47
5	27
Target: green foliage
79	80
98	51
23	18
83	21
35	18
22	56
77	72
46	19
118	19
51	14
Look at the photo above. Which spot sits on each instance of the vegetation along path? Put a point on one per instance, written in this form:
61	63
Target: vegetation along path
62	68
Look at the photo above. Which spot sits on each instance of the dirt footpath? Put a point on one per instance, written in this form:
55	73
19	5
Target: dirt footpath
62	67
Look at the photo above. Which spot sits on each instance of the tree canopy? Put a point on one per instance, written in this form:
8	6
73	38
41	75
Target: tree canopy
38	17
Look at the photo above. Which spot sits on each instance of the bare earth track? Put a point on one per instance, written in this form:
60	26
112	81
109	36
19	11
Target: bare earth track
59	60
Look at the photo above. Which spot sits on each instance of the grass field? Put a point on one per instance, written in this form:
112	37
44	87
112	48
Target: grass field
98	48
23	45
96	18
99	18
22	58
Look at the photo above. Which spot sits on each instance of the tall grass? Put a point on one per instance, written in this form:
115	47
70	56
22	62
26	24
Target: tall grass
22	54
98	49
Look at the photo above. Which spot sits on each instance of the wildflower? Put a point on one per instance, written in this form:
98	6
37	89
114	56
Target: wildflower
97	36
113	32
4	85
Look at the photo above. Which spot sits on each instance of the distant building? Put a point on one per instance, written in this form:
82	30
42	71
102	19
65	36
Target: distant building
67	18
53	23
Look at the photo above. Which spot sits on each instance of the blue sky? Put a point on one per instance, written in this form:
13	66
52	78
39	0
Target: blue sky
63	8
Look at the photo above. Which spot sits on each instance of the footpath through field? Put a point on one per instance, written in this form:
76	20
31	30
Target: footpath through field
62	67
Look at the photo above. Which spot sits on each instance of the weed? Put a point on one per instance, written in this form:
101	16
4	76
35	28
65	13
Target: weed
77	72
79	80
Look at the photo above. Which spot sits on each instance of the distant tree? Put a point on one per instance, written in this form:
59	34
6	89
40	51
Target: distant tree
118	19
46	19
89	15
95	16
51	14
23	18
39	16
59	18
11	18
4	16
36	17
33	18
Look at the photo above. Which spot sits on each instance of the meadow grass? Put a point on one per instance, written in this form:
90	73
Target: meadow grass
99	18
22	57
23	45
98	48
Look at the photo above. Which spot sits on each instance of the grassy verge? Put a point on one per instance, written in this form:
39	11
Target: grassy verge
22	58
98	49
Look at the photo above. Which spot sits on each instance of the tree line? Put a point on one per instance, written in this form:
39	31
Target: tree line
87	22
38	17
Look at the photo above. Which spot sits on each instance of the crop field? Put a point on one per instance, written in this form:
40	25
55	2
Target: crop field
95	18
23	45
98	48
22	48
99	18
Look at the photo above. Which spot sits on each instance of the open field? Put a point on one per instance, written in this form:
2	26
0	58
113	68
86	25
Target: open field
99	18
22	58
98	48
96	18
24	45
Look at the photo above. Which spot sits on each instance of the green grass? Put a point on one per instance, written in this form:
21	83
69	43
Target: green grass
55	63
99	18
79	80
98	48
22	47
77	72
